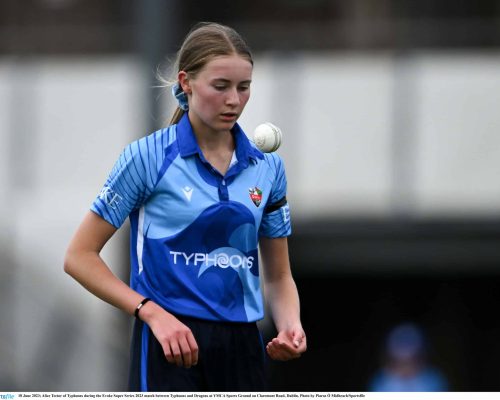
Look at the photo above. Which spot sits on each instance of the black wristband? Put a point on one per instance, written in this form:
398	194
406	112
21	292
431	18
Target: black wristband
141	304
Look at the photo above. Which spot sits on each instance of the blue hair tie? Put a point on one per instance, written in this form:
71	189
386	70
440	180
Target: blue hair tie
180	96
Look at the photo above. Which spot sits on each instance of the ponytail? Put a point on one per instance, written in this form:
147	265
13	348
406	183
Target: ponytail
176	117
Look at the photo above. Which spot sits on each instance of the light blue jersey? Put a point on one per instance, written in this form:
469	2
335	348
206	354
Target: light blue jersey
194	232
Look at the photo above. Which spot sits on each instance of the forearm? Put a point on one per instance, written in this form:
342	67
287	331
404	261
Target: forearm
84	263
280	289
90	271
88	268
283	300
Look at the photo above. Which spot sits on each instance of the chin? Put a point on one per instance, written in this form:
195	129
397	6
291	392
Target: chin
226	126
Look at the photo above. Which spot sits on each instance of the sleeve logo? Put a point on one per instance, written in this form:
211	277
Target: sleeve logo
110	197
285	212
255	195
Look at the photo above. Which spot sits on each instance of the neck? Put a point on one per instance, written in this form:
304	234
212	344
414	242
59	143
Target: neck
209	138
217	148
215	141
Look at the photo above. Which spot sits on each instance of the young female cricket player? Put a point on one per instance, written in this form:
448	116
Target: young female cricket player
201	200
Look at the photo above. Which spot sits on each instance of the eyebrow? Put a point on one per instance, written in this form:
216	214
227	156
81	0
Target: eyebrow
224	80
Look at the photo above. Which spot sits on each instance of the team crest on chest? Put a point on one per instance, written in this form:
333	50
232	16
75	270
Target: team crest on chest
255	195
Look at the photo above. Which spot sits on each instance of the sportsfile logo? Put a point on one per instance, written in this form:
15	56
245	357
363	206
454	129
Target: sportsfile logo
221	259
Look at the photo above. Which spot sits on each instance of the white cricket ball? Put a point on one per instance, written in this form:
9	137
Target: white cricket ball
267	137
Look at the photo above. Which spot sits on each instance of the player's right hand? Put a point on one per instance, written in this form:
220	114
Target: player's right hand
176	339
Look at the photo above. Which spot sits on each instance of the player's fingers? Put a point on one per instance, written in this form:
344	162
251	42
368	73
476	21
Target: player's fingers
168	353
282	350
303	344
297	339
176	353
274	350
194	348
295	346
283	346
187	360
277	354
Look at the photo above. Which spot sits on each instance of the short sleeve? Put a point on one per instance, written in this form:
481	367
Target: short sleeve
130	182
276	218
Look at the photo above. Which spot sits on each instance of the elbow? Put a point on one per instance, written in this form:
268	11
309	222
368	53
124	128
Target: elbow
69	263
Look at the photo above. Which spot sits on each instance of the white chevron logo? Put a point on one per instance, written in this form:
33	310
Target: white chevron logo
188	192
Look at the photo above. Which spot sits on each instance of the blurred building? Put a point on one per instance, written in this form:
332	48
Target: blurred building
390	117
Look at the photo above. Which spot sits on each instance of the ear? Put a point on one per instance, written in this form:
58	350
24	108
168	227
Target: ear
183	79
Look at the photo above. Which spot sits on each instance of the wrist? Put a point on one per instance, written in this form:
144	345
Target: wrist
140	306
148	312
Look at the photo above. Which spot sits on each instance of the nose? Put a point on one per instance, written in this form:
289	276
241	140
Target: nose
233	97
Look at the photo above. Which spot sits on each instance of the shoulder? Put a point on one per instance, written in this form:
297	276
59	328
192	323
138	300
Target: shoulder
156	141
145	156
274	161
149	151
274	158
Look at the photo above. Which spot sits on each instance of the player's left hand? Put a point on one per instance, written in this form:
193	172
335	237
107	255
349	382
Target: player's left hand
288	345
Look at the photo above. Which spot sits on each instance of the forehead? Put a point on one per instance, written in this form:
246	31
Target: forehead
233	67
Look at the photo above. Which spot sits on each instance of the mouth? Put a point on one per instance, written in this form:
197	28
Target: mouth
229	116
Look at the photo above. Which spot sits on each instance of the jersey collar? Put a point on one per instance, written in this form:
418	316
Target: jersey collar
188	146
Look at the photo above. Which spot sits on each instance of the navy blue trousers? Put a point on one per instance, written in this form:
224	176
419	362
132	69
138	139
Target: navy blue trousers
231	358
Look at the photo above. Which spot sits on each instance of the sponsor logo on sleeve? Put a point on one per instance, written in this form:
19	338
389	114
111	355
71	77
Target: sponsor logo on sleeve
110	197
285	212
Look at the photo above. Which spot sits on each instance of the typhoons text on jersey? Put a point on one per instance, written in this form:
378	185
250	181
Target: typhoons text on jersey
221	260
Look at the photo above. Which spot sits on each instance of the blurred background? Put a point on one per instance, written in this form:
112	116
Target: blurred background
390	113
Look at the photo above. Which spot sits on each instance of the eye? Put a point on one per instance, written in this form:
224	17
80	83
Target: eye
220	87
243	88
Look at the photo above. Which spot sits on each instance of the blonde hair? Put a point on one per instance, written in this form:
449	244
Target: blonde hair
205	41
